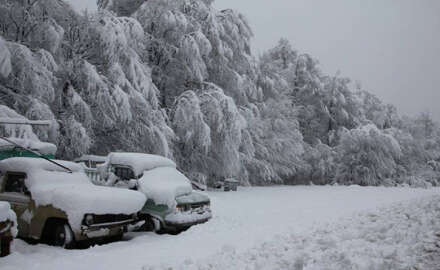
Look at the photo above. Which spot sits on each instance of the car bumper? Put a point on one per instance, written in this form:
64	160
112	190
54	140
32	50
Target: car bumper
104	230
187	219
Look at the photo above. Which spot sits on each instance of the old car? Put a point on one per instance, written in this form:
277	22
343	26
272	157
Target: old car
172	205
56	203
8	228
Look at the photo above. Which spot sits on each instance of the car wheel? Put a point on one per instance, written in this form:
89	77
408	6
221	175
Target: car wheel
116	238
148	225
63	236
157	226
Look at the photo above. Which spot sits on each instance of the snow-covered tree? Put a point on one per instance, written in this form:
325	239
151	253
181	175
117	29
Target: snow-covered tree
5	59
177	78
194	135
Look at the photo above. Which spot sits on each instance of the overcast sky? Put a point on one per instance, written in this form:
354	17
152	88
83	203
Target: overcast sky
391	46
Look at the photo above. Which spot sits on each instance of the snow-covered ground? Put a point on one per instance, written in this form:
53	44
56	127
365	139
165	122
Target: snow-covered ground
275	228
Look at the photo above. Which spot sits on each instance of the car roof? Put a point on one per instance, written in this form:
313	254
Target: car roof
26	164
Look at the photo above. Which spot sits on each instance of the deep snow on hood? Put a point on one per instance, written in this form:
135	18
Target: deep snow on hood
72	192
164	184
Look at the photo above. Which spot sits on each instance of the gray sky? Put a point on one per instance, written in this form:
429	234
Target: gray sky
391	46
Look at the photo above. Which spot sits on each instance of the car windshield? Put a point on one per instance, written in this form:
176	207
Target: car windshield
124	173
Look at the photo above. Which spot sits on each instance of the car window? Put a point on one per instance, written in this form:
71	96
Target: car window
124	173
15	182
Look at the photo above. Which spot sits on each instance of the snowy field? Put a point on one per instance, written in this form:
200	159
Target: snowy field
275	228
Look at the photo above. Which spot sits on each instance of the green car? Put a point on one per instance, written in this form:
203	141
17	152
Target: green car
172	205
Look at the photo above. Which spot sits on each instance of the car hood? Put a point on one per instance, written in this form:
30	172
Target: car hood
193	198
163	185
78	200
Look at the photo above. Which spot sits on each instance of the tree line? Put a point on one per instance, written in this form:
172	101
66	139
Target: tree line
178	79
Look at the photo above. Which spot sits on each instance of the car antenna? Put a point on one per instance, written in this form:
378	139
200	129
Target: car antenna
31	123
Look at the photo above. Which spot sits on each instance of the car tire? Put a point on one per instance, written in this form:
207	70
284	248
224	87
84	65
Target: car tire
152	224
62	236
116	238
148	225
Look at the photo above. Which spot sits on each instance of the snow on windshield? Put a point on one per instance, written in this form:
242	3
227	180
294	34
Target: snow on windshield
164	184
140	162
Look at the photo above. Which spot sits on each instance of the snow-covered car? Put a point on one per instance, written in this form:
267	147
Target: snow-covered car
8	228
55	202
172	205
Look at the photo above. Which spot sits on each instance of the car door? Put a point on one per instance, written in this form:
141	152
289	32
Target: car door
15	192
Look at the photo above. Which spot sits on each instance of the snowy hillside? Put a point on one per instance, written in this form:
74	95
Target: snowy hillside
299	227
177	78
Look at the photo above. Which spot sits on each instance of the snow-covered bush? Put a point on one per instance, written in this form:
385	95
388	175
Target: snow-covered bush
320	164
367	156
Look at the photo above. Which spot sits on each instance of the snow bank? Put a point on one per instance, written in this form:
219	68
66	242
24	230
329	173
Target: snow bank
6	214
404	236
72	192
140	162
242	233
164	184
41	147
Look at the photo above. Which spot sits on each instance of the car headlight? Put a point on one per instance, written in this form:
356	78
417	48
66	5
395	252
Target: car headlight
88	220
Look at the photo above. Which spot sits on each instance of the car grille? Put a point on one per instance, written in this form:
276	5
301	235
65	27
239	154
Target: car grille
197	205
193	206
98	219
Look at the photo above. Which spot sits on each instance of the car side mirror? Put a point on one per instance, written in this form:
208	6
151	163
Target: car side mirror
26	191
132	184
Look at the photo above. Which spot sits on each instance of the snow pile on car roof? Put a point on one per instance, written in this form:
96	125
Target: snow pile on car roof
163	185
140	162
41	147
6	214
72	192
